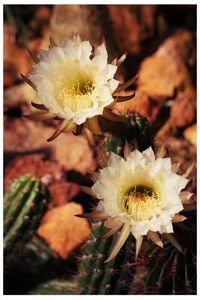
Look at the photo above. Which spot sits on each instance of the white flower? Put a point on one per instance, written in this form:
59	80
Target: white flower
71	84
139	195
75	84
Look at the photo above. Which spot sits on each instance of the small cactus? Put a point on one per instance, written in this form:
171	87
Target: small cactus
25	203
136	130
53	287
113	144
94	277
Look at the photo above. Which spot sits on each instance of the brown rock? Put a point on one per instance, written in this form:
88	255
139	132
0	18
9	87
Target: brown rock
183	152
69	19
183	110
15	100
61	192
22	135
164	71
190	134
72	152
62	230
33	164
16	59
134	24
50	172
141	103
90	21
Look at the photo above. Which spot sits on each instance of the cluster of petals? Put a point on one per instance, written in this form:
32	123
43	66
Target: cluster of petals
71	82
152	213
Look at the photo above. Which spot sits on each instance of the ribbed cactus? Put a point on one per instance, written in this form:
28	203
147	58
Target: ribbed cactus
136	130
113	144
99	278
94	277
170	272
167	271
53	287
25	202
164	271
139	129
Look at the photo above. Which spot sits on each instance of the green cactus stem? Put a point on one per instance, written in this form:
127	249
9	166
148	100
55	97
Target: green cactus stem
53	287
25	203
137	130
95	277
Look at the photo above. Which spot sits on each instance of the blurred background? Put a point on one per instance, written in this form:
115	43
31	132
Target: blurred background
161	44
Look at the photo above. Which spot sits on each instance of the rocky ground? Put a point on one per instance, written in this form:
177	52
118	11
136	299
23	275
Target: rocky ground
161	46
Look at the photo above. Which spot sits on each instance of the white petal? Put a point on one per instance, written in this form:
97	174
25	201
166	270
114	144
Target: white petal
100	61
108	72
68	44
86	48
114	159
101	50
56	56
43	54
112	85
149	154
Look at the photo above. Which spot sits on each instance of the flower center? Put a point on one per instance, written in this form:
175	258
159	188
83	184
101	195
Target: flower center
75	87
140	202
79	86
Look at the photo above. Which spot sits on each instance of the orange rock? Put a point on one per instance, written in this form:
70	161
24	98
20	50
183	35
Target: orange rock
61	192
190	134
73	152
141	103
133	25
16	59
62	230
183	110
49	171
164	71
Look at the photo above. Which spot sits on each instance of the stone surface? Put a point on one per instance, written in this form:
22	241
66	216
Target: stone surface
84	19
72	152
134	24
183	152
62	192
19	93
183	110
190	134
141	103
50	172
62	230
35	165
166	70
16	59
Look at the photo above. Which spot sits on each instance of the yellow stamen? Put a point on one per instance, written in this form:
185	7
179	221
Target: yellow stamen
75	86
139	202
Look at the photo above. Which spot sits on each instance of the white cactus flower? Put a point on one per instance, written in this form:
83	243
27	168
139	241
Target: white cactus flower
75	83
139	195
71	84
